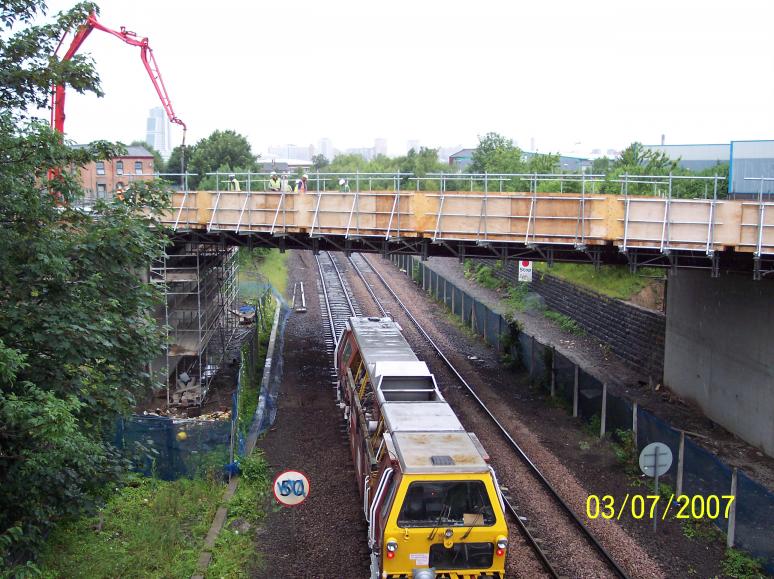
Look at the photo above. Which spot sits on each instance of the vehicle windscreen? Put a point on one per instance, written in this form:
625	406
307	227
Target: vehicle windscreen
446	503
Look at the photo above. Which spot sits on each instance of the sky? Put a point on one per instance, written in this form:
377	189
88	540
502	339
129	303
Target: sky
568	76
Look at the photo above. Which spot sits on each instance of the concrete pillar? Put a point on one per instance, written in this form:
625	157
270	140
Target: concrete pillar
720	350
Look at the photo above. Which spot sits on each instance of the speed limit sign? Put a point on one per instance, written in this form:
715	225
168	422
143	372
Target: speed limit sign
291	488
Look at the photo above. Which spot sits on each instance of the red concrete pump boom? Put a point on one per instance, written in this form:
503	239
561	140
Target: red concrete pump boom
146	54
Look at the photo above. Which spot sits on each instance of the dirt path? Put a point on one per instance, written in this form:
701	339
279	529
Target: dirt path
325	537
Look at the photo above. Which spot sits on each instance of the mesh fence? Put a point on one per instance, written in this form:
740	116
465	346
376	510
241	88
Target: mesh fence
170	448
754	516
703	473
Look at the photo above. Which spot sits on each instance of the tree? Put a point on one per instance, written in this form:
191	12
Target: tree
76	330
319	162
220	149
601	166
496	154
158	162
640	160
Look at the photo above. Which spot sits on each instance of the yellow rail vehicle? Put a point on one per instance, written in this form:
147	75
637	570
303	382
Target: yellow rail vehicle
431	500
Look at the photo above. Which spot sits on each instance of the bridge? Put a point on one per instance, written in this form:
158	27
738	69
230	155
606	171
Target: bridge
719	332
637	230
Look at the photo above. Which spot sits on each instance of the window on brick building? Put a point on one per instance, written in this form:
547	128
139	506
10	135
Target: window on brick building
120	167
138	167
100	167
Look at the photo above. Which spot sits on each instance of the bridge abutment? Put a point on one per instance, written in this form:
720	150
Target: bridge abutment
720	350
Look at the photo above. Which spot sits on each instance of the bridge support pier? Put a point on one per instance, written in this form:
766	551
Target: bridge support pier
720	350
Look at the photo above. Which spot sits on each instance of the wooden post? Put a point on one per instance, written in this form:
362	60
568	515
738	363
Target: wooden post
553	372
532	357
634	424
732	513
575	394
680	464
604	410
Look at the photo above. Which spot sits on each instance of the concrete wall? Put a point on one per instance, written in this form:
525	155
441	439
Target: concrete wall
720	350
633	333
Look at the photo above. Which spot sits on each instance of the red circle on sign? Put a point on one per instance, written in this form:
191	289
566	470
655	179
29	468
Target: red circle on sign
290	501
525	263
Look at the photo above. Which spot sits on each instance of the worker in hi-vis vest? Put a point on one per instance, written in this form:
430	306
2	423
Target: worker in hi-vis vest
274	182
301	183
233	184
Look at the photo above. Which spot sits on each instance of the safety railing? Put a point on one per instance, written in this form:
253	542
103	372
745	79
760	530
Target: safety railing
757	223
665	223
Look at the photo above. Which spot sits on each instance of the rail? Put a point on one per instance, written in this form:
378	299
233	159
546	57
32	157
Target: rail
532	466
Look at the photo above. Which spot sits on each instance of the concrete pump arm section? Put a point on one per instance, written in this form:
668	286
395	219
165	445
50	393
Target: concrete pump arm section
597	228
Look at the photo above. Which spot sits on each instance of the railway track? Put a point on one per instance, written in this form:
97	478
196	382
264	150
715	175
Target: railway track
335	300
362	267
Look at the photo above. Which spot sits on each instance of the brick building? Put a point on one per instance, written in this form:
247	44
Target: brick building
102	179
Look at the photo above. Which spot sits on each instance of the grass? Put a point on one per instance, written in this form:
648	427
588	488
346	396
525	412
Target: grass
266	265
565	322
741	565
150	528
611	280
235	554
250	392
700	529
483	275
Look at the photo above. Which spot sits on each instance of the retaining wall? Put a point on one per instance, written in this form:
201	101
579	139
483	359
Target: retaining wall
695	470
633	333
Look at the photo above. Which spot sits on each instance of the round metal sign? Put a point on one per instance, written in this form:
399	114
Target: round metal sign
291	488
655	459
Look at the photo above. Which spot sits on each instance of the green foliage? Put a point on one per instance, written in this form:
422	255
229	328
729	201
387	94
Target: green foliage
496	154
700	529
611	280
234	553
419	163
250	377
320	162
516	298
593	426
625	450
151	528
416	272
483	275
76	323
638	160
565	322
222	151
741	565
267	265
178	160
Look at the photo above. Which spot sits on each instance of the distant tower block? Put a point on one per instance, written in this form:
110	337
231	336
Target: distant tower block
158	132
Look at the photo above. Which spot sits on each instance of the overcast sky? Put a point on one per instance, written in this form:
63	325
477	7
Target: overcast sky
572	75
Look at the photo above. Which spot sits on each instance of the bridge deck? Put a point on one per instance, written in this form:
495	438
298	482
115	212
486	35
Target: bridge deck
556	222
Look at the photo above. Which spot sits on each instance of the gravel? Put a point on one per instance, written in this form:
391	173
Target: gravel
571	553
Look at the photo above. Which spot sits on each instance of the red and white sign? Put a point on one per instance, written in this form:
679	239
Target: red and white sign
525	270
291	488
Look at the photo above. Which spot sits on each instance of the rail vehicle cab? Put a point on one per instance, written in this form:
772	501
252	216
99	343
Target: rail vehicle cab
432	501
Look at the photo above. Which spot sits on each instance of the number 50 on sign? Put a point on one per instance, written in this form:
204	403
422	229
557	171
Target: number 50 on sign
291	488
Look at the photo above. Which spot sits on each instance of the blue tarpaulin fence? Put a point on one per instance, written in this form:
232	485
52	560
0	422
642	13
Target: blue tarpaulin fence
170	448
703	473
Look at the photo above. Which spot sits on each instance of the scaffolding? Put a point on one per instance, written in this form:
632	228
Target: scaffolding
200	287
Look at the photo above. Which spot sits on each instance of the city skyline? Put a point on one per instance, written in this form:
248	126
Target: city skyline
590	82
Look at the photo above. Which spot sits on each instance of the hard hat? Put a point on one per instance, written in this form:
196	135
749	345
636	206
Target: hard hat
273	174
231	176
305	176
341	181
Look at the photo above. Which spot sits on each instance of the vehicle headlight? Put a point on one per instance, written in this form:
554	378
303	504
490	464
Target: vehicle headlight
391	546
